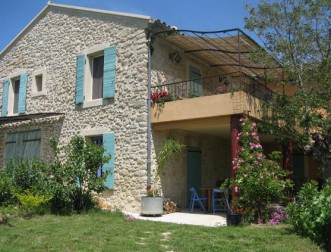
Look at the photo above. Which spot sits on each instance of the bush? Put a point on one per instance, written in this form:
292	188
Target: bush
66	184
6	195
259	179
310	215
32	204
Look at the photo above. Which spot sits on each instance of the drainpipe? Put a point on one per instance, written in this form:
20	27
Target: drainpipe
149	44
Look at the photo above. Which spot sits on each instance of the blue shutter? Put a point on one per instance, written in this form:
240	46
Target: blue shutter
22	93
80	67
109	69
109	145
5	98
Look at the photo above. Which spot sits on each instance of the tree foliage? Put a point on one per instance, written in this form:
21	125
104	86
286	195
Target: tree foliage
297	34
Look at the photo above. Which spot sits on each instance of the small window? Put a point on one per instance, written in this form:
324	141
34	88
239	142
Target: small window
97	77
39	83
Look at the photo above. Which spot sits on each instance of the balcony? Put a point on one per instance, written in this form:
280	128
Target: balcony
209	100
214	85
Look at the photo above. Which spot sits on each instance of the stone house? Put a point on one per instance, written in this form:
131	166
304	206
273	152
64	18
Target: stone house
76	70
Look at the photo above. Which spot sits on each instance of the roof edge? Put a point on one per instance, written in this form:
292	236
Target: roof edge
99	11
50	4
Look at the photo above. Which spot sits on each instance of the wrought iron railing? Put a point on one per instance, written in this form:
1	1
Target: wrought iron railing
213	85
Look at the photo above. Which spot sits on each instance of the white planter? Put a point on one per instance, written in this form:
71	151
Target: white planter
152	206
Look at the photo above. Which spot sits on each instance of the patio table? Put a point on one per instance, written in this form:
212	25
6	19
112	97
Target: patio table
209	190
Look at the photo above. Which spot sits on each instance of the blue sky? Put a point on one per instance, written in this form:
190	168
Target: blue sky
205	15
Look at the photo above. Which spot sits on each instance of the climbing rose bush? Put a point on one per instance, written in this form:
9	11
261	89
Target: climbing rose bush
259	179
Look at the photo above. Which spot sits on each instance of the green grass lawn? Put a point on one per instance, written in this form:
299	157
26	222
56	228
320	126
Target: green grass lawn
102	231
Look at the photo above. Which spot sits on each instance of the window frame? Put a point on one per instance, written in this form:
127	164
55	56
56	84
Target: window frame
11	95
89	54
34	89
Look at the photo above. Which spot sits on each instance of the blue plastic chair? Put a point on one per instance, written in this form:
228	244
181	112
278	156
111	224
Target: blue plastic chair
195	198
220	200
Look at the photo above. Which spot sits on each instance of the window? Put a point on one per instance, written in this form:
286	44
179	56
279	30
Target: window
39	83
14	95
95	76
103	137
98	140
23	145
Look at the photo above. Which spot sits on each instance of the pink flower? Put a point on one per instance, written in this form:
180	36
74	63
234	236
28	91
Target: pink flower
254	124
236	189
8	215
240	120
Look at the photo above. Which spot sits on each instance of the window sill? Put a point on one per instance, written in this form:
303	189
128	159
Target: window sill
38	94
95	103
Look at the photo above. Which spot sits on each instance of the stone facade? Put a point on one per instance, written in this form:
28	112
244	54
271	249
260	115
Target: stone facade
52	42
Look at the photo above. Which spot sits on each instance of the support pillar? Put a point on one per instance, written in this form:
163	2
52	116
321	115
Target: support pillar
235	130
288	158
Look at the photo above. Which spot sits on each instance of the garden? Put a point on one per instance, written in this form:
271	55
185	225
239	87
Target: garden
38	199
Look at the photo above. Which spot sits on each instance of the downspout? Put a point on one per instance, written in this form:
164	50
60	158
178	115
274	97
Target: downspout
149	44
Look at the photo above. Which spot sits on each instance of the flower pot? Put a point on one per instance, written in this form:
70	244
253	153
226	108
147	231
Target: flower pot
233	219
151	206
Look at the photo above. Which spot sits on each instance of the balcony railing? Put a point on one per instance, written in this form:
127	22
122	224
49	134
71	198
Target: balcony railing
213	85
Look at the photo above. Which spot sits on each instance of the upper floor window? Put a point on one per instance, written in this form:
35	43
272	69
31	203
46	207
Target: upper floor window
14	95
95	76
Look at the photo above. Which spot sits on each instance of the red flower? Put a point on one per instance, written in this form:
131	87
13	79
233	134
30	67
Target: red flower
149	187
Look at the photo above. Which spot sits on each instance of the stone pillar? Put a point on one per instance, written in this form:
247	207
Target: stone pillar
235	130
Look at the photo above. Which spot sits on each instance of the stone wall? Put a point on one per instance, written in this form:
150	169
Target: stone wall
52	42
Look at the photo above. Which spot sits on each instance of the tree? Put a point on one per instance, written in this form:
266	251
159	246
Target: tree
297	34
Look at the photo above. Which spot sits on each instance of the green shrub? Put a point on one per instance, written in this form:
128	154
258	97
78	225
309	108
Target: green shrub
259	179
75	175
32	204
66	184
310	215
6	195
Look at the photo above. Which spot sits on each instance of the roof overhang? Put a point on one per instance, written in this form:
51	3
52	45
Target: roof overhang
28	117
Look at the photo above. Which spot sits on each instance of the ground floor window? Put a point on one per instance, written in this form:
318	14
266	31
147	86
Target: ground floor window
23	145
98	140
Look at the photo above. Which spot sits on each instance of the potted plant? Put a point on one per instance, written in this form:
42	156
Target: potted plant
152	204
234	215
